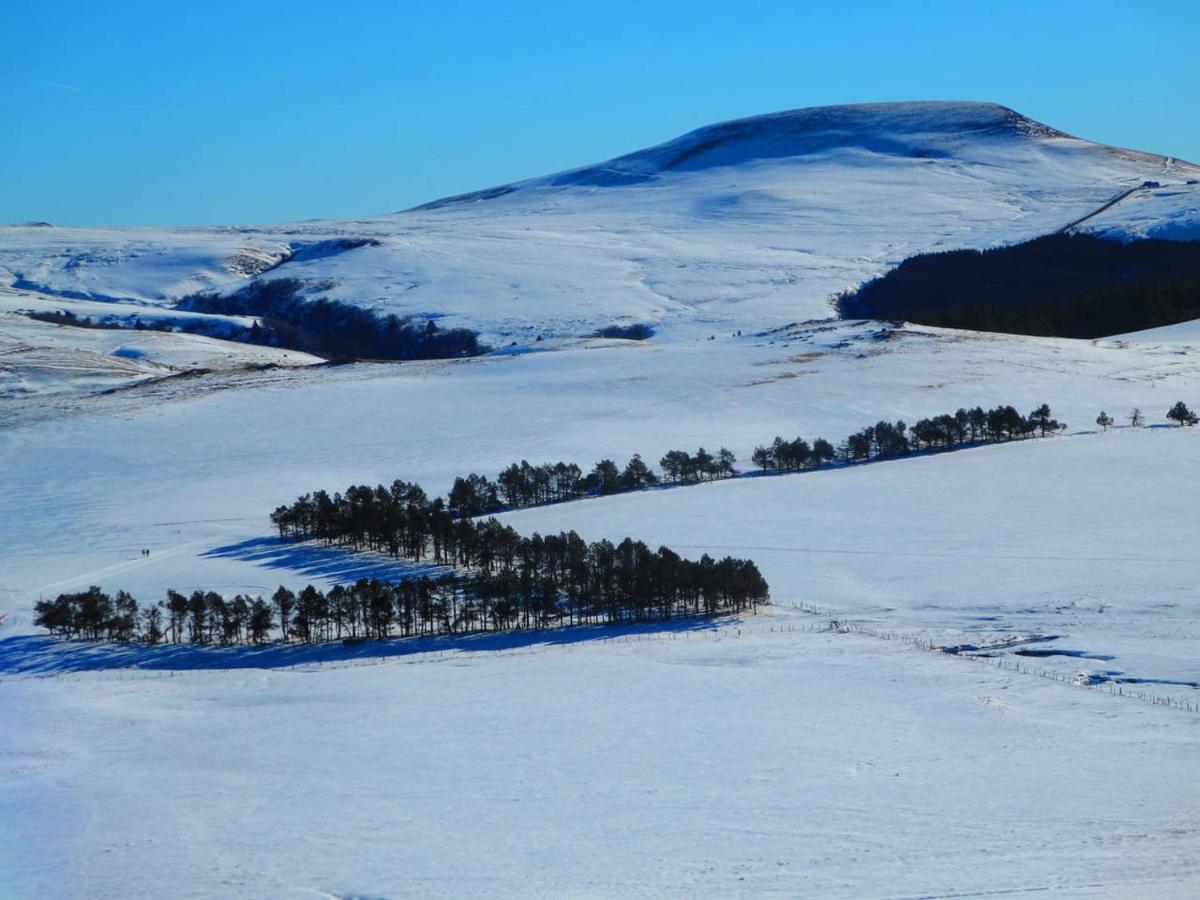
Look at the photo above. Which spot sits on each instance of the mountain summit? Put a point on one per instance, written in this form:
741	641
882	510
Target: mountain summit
904	129
916	130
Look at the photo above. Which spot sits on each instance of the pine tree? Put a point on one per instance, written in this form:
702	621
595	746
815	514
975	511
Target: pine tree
284	601
152	631
1041	420
1181	414
637	474
725	463
177	610
822	452
197	617
605	478
763	458
123	623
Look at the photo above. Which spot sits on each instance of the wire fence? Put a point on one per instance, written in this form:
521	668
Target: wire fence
922	643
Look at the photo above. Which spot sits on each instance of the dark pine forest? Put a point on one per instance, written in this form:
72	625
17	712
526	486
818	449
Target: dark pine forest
1071	286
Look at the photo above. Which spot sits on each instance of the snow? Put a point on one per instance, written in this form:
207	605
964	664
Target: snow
747	225
1187	333
756	756
1171	212
789	764
40	360
147	264
1037	538
203	460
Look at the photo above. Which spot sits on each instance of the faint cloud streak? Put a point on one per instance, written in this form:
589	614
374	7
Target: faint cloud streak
58	84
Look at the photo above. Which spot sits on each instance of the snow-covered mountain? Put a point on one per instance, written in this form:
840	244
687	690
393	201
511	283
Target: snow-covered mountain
749	224
918	130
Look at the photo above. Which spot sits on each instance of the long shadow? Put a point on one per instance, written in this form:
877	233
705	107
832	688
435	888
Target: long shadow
45	655
317	561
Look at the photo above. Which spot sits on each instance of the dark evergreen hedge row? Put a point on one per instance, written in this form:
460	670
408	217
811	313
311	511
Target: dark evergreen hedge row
332	329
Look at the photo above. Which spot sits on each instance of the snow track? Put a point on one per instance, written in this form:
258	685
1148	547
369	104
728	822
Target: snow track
1098	211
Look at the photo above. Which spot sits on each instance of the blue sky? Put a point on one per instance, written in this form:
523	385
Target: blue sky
164	113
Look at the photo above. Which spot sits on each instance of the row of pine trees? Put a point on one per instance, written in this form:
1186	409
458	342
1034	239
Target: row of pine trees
949	431
523	484
514	583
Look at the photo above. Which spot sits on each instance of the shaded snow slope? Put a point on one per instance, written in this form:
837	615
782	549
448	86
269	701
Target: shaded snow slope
147	264
739	226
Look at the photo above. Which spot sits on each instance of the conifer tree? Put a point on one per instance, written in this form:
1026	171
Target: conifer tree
1182	415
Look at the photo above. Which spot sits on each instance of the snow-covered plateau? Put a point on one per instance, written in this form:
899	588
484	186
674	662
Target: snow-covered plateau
768	754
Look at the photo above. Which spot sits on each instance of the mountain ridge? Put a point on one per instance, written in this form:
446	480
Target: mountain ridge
918	129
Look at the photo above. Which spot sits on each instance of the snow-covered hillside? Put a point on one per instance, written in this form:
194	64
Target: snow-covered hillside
746	225
42	362
743	757
1079	545
784	764
200	462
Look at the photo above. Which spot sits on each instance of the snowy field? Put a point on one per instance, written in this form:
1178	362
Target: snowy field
1076	538
760	756
787	763
778	764
187	466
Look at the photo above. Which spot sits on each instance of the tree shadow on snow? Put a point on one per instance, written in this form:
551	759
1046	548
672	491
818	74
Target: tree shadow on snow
47	655
316	561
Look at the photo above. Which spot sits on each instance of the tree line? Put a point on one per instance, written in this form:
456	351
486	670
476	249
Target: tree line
322	327
1117	310
888	440
503	580
520	583
523	484
330	328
